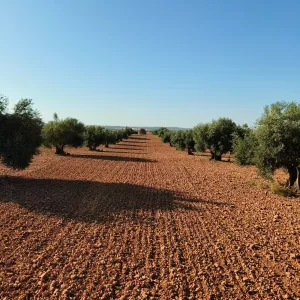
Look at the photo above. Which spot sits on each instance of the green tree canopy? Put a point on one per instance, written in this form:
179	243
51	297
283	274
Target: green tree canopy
216	136
178	139
189	141
130	131
278	134
245	147
122	134
94	137
183	139
166	136
63	132
20	133
110	137
3	104
161	131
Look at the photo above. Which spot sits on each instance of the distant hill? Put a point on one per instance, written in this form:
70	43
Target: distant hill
147	128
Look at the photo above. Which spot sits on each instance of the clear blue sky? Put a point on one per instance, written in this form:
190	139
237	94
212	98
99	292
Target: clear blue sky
150	62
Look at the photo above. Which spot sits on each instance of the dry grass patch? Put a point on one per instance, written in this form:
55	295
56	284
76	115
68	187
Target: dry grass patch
282	190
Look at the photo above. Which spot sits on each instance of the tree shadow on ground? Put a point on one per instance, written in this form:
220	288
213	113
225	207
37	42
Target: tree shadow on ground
136	142
124	148
202	154
124	152
137	138
91	201
130	145
113	158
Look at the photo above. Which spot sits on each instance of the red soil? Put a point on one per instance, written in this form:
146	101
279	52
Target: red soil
144	221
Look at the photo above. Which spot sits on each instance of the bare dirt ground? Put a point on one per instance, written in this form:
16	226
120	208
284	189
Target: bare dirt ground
144	221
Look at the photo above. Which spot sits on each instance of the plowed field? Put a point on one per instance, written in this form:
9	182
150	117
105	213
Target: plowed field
144	221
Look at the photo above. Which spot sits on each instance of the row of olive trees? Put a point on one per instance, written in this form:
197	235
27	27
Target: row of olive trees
273	143
216	136
70	132
22	132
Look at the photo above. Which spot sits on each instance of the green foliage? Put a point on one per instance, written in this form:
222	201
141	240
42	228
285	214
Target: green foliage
61	133
130	131
216	136
221	136
178	139
278	135
189	140
241	131
121	134
110	137
201	137
164	134
244	147
161	131
166	137
3	104
142	131
94	137
183	139
282	190
20	133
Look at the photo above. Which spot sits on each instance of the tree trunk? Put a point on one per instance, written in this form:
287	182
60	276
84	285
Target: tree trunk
214	156
190	151
92	148
59	150
293	176
218	157
298	178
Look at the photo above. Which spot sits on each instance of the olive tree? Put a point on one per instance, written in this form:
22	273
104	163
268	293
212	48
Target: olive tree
161	131
278	135
201	137
110	137
178	139
130	131
164	134
183	139
216	136
121	134
20	133
245	147
166	137
63	132
94	137
189	142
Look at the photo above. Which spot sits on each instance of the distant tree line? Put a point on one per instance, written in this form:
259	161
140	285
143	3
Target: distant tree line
22	132
70	132
273	143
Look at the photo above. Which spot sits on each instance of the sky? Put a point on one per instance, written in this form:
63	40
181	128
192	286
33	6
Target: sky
150	62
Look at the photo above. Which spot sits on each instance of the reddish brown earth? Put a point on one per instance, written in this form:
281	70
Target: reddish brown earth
144	221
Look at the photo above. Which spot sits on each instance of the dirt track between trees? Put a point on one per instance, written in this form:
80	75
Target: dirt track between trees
144	221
